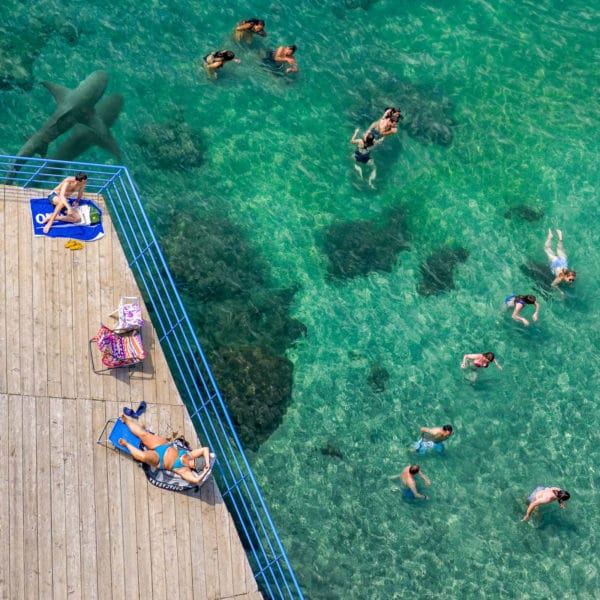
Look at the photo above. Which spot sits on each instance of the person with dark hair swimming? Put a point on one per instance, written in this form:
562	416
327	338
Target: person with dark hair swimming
407	477
277	59
215	60
518	302
558	262
387	124
545	495
247	28
482	360
362	155
433	437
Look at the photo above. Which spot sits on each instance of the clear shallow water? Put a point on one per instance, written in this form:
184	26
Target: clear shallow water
520	81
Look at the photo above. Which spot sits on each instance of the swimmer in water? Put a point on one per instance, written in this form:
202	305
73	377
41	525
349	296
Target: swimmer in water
387	125
248	28
286	54
362	155
518	302
545	495
558	262
480	360
432	437
408	476
215	60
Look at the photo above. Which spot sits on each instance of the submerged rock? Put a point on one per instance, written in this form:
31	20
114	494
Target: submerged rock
331	450
378	378
173	144
524	213
257	388
356	248
244	325
437	272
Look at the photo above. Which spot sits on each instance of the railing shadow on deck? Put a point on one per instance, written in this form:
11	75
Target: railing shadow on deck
192	374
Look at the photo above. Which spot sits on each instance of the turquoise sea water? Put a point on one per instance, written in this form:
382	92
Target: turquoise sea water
518	84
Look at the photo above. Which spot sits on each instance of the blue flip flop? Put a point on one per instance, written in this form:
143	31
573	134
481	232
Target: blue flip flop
141	409
135	414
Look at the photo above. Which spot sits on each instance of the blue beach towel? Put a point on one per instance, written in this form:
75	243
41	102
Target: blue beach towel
42	207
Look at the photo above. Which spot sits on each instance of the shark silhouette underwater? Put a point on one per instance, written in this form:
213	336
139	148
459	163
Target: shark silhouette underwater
76	108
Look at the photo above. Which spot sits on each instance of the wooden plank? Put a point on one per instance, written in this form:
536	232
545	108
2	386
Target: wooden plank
169	539
30	505
101	491
128	471
155	513
198	571
65	320
4	501
105	273
24	315
15	496
54	307
143	536
57	495
209	534
11	278
94	312
81	324
72	486
85	441
3	302
40	363
115	514
225	554
44	499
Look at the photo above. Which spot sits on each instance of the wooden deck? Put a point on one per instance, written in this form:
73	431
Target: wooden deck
78	520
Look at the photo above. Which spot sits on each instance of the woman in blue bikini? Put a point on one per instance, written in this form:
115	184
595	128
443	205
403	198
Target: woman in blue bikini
163	454
558	262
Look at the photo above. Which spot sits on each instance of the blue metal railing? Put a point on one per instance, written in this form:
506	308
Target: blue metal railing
186	359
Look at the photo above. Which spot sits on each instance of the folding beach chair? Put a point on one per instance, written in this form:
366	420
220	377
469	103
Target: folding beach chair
118	348
162	478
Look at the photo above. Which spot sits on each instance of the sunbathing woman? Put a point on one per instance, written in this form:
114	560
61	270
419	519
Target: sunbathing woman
163	454
558	262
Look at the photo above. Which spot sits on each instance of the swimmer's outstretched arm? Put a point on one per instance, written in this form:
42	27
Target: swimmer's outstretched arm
497	364
424	477
353	138
537	310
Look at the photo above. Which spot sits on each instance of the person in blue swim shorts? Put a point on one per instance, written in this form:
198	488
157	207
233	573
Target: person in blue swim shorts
545	495
558	262
432	438
407	477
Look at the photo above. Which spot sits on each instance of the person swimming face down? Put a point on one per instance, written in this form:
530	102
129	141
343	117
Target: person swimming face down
562	496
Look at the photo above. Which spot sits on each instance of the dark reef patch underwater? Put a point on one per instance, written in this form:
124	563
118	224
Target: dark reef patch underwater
244	325
437	271
355	248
